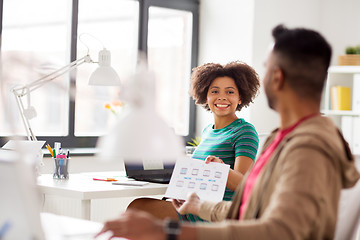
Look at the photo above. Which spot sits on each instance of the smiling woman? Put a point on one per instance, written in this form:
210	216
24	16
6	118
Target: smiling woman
223	90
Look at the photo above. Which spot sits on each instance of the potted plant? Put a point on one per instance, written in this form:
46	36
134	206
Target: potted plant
192	145
351	57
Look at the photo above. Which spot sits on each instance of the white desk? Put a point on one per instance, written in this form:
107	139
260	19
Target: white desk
74	197
57	227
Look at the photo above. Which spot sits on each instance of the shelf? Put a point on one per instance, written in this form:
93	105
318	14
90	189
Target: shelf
340	113
344	69
347	121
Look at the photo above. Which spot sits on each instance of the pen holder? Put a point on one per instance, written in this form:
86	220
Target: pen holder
61	168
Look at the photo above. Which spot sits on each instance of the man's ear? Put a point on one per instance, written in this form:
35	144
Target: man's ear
279	79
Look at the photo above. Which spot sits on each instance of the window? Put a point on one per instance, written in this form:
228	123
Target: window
169	51
115	24
52	33
32	45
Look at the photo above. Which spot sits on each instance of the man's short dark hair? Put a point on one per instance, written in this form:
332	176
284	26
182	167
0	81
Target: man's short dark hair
304	57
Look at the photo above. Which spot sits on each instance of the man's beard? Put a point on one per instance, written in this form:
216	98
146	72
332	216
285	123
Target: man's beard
270	98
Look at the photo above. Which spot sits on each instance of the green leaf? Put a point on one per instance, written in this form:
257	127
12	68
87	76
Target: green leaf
350	50
195	141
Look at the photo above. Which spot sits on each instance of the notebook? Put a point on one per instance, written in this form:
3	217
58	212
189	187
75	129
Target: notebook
161	173
20	207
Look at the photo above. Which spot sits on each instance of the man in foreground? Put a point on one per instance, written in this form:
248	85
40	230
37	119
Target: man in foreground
292	192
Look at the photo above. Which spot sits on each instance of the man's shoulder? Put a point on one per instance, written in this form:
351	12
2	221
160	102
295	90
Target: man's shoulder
320	133
321	127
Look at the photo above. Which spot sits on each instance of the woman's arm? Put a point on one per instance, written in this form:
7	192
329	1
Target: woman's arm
241	166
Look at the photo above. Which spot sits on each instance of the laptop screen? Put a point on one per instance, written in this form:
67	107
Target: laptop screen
159	175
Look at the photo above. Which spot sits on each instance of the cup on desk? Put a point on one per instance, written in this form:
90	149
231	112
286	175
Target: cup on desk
61	166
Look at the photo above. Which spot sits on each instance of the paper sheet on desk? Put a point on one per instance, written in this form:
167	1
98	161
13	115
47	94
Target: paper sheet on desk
24	144
208	181
32	149
120	178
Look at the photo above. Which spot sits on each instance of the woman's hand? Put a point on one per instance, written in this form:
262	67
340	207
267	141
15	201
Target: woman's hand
211	158
191	205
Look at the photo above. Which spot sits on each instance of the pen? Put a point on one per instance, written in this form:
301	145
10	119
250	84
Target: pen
61	165
57	147
105	179
61	156
50	150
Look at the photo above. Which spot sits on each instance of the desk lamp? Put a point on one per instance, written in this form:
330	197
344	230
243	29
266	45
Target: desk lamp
140	135
104	75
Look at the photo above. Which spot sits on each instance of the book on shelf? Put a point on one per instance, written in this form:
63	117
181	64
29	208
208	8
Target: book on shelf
340	97
347	129
356	93
356	136
350	128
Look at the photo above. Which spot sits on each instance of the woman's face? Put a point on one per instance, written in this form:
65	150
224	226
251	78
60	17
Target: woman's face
223	96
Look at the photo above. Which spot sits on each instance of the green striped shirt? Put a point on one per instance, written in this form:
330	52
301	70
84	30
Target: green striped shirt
237	139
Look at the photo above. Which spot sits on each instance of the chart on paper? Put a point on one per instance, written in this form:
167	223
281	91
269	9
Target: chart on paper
208	181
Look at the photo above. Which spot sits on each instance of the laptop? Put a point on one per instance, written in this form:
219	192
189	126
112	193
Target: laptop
158	173
20	207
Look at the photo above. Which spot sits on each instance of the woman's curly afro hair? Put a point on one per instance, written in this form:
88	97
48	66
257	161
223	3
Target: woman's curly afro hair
245	77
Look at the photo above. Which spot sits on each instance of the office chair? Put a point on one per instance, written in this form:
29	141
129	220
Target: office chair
348	223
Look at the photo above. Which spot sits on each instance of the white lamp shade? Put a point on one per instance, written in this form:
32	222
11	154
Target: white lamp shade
140	136
104	75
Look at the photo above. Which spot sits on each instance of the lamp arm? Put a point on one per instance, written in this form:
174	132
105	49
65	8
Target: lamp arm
20	92
24	90
29	132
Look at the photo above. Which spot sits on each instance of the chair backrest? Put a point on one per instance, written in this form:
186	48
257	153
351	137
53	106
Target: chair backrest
349	214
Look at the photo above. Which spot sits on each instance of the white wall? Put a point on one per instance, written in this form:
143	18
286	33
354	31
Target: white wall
340	22
225	35
268	14
241	30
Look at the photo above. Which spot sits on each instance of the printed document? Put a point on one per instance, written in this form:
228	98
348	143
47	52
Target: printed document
208	181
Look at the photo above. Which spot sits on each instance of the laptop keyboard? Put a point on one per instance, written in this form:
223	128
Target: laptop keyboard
153	180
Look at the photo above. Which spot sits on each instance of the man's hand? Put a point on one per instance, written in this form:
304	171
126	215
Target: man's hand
135	225
191	205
